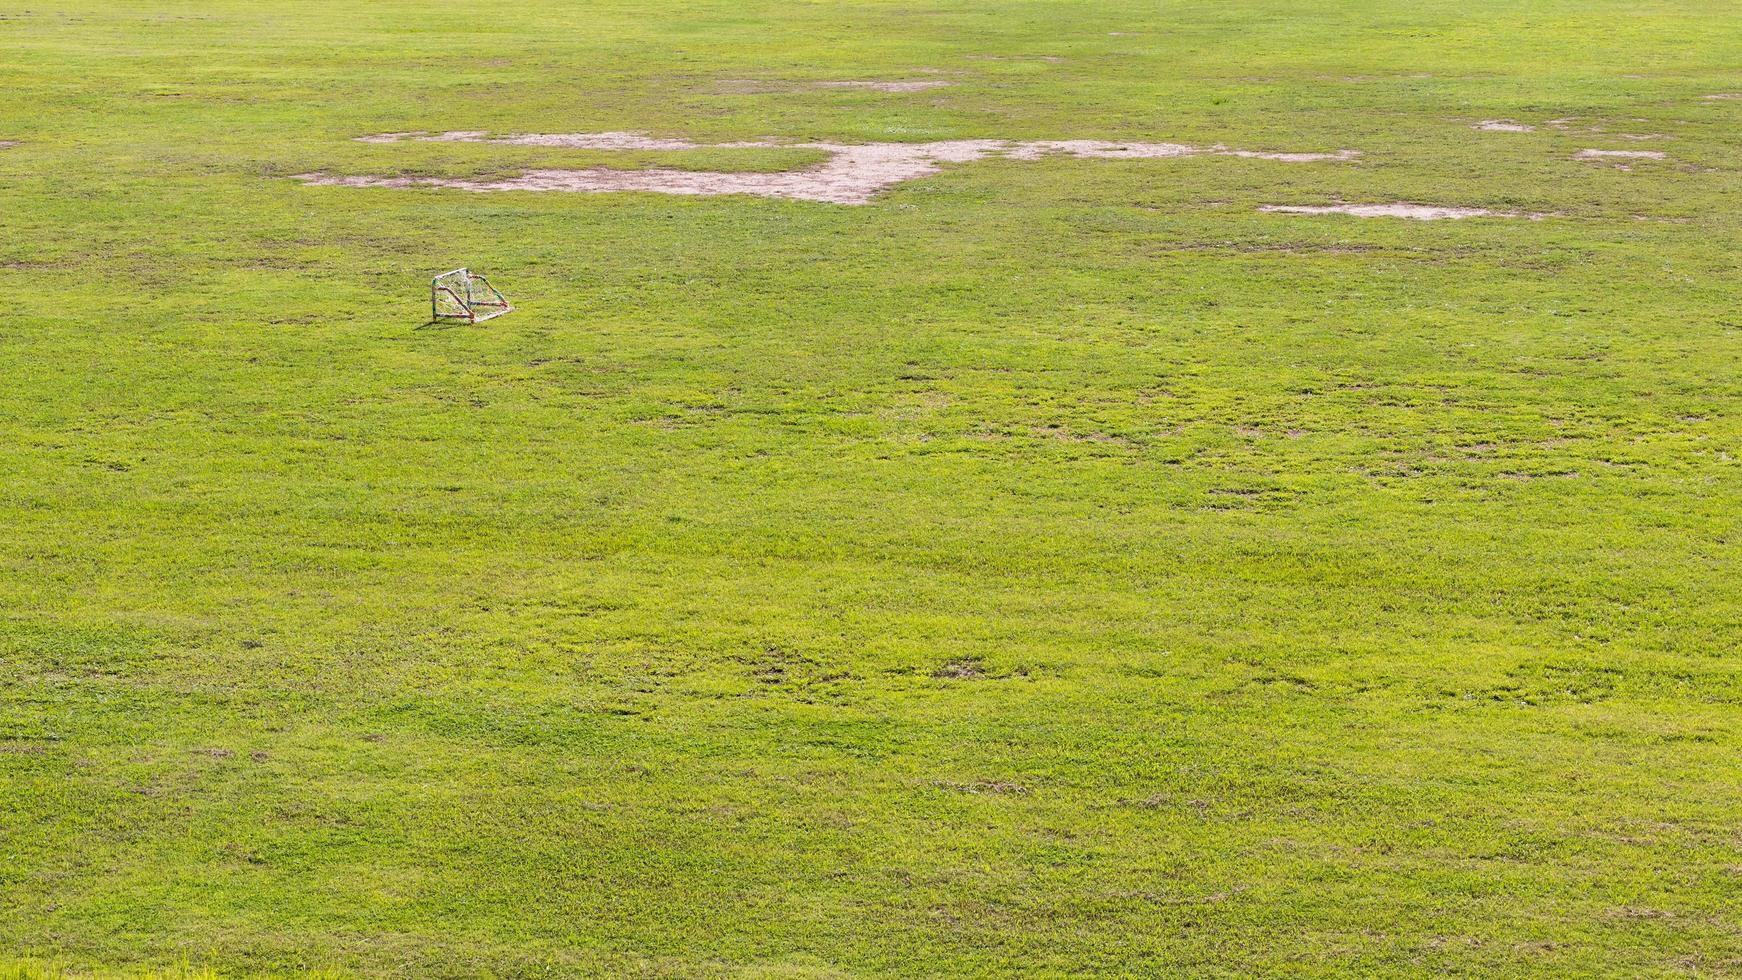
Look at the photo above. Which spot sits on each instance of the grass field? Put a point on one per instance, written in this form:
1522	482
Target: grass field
1049	567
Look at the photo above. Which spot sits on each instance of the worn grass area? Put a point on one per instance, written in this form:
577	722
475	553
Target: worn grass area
476	160
1050	567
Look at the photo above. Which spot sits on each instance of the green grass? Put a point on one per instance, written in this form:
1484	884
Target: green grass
1051	567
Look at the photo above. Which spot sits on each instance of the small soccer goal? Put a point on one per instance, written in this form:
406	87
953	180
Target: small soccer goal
464	295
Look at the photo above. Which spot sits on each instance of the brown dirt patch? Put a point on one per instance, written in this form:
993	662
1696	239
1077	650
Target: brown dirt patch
1619	154
1414	212
969	669
853	174
919	85
8	144
1341	156
572	141
1504	126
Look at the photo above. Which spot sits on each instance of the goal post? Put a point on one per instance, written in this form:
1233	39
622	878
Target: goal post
464	295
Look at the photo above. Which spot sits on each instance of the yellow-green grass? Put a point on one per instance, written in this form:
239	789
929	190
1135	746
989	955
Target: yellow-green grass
1050	567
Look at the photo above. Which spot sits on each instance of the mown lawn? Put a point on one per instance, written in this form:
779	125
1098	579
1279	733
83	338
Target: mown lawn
1051	567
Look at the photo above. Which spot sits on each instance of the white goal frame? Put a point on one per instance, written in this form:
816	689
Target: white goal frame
461	294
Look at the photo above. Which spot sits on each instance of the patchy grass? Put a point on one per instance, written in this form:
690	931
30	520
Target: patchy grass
1050	567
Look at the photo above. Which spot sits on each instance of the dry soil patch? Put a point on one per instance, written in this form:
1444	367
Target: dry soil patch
917	85
1414	212
852	174
1619	154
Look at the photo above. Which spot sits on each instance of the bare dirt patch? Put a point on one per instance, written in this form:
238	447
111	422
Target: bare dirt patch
1503	126
1414	212
1619	154
965	669
853	173
918	85
1724	97
1340	155
8	144
574	141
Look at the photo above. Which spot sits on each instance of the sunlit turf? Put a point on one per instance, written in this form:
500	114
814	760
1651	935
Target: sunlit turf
1050	567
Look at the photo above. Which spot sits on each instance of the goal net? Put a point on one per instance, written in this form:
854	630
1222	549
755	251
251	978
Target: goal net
465	295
